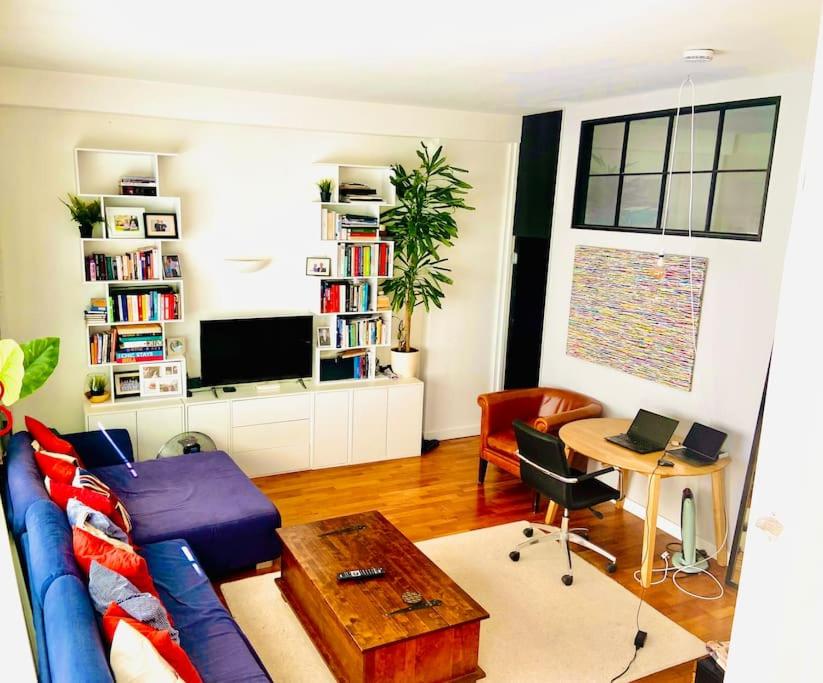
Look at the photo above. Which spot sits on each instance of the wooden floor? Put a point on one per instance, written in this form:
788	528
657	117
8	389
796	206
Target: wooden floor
438	494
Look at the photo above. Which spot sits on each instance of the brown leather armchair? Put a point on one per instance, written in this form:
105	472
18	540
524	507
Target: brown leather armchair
544	408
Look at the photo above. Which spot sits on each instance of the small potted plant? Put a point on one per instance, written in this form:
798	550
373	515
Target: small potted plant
85	213
98	389
325	187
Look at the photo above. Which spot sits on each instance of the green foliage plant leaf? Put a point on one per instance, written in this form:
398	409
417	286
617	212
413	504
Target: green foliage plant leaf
11	370
40	358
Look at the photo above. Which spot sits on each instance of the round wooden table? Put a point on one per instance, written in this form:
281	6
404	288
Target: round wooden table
587	438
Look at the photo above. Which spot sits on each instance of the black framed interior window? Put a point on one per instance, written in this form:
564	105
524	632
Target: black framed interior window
623	170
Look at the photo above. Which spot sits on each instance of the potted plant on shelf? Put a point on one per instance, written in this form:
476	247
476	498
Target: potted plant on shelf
24	368
98	389
85	213
420	224
325	187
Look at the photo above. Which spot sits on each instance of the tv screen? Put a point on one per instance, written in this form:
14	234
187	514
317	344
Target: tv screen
255	349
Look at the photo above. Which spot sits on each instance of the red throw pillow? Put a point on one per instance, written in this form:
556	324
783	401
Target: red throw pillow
109	504
131	566
161	640
57	466
48	440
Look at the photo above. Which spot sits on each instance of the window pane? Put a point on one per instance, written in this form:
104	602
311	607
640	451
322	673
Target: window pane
738	202
647	142
601	200
679	201
705	141
640	201
747	138
607	147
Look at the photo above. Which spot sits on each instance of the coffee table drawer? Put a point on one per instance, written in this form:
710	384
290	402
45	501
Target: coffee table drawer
270	409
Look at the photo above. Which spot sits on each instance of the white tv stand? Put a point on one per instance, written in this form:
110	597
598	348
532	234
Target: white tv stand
288	430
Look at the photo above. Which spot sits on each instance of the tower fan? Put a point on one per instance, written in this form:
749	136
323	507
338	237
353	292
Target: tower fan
687	560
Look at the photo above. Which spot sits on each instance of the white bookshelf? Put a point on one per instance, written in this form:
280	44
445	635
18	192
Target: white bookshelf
378	178
97	176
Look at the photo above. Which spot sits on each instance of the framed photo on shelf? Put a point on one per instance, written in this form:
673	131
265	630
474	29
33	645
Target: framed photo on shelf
171	267
124	222
319	266
160	380
127	384
324	338
161	225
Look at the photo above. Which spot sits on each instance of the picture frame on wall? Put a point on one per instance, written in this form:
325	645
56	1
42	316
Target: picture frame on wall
161	225
126	384
324	338
125	222
161	380
171	267
318	266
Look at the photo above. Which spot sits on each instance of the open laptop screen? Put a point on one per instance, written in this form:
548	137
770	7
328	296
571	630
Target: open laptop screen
704	440
652	428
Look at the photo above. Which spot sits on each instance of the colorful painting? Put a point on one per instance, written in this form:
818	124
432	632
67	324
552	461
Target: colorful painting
624	315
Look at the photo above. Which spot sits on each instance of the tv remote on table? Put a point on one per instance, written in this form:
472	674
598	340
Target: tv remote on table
361	574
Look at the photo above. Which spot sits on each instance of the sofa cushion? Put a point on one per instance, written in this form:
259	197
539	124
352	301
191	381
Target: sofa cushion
135	660
24	483
204	498
75	648
48	439
211	638
504	442
80	514
109	505
56	466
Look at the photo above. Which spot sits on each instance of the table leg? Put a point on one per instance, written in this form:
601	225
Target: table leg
650	531
719	505
551	513
624	489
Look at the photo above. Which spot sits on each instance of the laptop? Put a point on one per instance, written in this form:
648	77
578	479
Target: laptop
701	446
648	433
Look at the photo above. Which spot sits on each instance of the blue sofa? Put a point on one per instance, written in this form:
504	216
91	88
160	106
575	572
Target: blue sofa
194	515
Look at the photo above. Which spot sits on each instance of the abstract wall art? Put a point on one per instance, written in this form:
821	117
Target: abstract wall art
625	316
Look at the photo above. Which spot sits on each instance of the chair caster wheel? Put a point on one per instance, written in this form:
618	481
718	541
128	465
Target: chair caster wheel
514	555
567	579
611	567
528	532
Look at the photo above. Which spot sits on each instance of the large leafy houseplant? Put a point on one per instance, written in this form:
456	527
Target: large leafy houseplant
24	368
421	223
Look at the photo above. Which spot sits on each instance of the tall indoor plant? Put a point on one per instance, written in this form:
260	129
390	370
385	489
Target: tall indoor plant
421	223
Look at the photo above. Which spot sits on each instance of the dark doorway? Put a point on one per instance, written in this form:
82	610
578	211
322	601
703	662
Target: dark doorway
533	207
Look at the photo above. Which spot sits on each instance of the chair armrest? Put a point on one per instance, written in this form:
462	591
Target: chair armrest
566	480
556	421
598	473
501	408
95	450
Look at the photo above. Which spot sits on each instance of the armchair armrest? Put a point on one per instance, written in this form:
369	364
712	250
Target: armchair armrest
501	408
551	423
96	451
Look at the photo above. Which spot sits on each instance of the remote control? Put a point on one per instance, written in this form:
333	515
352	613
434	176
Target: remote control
361	574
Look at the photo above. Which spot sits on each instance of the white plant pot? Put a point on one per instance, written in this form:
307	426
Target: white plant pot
405	363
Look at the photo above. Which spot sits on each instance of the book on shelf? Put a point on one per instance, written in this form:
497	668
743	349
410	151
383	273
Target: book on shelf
363	260
359	332
346	226
358	192
144	264
96	311
135	305
102	347
144	186
346	366
138	343
344	297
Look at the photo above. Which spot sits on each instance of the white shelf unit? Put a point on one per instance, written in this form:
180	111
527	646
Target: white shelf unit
378	178
97	176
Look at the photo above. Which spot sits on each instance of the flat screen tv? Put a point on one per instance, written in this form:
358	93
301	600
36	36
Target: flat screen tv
255	349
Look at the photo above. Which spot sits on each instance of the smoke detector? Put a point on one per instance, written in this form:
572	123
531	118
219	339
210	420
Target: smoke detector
698	56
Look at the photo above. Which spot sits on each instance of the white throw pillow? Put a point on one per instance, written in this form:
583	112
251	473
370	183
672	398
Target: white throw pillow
134	659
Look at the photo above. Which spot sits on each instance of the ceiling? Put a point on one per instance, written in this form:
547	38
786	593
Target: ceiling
516	56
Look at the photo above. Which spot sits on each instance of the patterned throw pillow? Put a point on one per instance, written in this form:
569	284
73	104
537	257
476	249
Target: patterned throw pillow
167	648
80	514
134	659
109	505
107	588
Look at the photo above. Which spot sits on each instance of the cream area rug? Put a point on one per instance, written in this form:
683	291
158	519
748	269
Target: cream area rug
539	629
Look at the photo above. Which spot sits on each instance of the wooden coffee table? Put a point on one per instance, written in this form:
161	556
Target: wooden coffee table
351	623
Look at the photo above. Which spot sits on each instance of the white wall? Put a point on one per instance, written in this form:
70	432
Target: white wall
739	306
778	617
245	188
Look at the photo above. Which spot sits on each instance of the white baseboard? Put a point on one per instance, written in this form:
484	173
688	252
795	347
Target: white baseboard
454	432
666	525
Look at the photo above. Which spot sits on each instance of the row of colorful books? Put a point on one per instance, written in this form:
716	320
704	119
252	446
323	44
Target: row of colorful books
355	332
137	265
345	297
133	344
144	305
363	260
347	226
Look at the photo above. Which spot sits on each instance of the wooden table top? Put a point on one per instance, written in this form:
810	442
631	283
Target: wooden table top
362	607
589	438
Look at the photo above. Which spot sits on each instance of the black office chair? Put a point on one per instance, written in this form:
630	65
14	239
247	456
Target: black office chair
544	467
